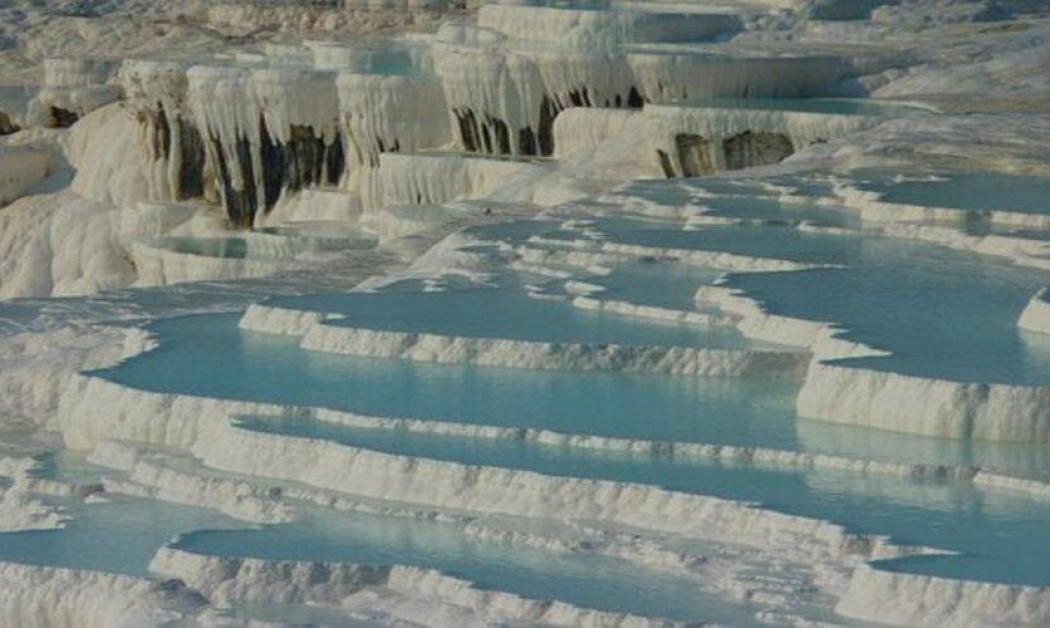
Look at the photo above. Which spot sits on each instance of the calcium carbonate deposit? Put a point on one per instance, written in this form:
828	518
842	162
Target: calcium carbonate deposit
524	312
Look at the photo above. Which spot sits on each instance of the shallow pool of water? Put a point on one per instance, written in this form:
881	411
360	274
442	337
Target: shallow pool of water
588	581
942	313
776	241
660	284
978	191
210	356
120	535
234	364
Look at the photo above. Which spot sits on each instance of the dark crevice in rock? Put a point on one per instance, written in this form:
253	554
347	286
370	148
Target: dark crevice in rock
545	134
492	135
60	118
634	99
305	160
273	164
468	130
175	139
7	127
161	133
694	154
335	160
240	204
756	148
527	141
502	133
191	166
665	164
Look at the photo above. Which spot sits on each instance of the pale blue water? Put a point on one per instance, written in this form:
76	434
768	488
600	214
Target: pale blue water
771	210
576	5
514	231
381	55
123	534
975	191
746	199
660	284
117	536
587	581
943	313
234	364
68	465
782	242
391	60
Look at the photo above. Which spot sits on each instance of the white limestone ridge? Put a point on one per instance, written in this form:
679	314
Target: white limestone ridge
42	597
837	392
339	338
909	599
412	593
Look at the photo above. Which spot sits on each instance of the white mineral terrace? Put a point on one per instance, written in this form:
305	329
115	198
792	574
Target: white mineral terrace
524	312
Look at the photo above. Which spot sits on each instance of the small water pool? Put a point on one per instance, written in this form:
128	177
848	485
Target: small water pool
942	313
978	191
659	284
589	581
209	356
769	241
119	535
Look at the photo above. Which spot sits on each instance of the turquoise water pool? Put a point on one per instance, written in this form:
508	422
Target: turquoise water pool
273	369
120	535
973	191
776	241
959	311
659	284
589	581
